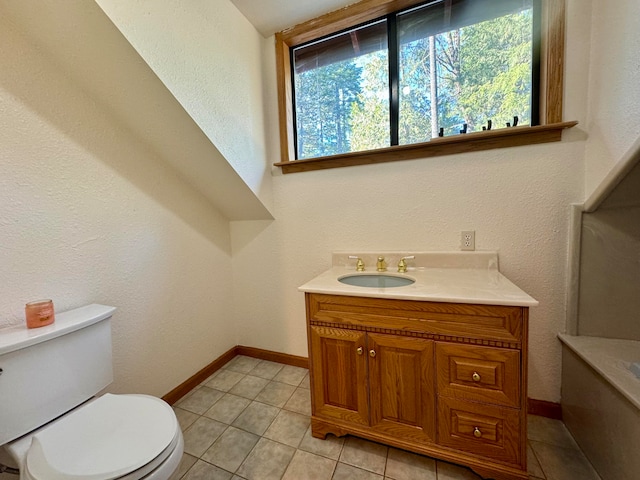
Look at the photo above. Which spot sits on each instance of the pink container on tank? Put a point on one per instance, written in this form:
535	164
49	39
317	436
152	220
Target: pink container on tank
39	313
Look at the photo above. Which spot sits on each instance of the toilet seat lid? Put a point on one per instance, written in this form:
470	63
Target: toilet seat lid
106	439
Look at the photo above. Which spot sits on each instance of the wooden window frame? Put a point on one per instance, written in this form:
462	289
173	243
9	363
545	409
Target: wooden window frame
551	91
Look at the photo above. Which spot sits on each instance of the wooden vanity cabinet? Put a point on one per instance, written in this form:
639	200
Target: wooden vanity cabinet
372	380
440	379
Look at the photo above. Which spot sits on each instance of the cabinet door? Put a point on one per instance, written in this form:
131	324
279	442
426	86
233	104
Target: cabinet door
401	377
339	375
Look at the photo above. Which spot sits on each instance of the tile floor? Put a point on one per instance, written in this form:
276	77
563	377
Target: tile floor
250	420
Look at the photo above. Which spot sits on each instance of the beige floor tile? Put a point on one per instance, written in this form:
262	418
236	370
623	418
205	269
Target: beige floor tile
291	375
249	387
201	435
560	463
548	430
185	464
256	418
307	466
280	412
266	369
224	380
533	466
449	471
267	461
231	448
330	447
299	402
242	364
185	417
305	383
200	400
204	471
227	409
288	428
276	394
364	454
402	465
349	472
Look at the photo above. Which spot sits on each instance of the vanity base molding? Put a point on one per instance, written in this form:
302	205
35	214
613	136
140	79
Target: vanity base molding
439	379
321	428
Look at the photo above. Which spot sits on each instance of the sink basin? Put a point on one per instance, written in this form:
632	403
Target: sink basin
376	280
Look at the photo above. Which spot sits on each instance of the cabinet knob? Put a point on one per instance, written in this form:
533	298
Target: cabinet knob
372	353
476	432
359	350
475	377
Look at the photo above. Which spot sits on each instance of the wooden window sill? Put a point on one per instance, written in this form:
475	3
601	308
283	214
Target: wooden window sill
470	142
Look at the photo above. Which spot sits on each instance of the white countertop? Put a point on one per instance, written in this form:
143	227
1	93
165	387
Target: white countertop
611	357
457	277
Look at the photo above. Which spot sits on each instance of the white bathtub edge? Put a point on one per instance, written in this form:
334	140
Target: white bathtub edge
611	358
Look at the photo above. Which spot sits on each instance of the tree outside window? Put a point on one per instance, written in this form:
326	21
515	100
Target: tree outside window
459	63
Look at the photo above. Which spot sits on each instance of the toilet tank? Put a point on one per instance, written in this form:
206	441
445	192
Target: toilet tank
47	371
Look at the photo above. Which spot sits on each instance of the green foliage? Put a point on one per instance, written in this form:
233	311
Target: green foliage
495	77
324	99
483	72
370	113
415	93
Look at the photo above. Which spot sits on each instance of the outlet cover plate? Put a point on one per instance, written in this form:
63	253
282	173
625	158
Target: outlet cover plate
468	240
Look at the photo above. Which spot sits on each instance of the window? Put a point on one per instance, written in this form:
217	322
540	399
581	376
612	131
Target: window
385	88
334	79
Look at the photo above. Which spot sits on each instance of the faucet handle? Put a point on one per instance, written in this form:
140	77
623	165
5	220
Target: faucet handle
402	264
359	263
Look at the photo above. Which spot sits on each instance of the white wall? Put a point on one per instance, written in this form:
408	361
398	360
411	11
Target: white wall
614	97
209	57
88	213
162	255
516	199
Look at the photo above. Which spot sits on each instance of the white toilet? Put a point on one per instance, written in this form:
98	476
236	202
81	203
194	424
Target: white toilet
52	427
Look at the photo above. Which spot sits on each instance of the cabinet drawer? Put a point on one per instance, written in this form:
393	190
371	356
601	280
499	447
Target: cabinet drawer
482	374
486	430
484	322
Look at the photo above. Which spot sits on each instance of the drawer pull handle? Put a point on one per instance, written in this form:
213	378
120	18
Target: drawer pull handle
476	432
475	377
372	353
359	351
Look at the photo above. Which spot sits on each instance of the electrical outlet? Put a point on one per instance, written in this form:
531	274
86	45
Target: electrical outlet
468	240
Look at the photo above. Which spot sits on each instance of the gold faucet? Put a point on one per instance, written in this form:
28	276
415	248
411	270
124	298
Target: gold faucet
359	263
402	264
381	265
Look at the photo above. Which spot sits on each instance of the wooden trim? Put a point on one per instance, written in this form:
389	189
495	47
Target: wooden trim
347	17
471	142
524	386
285	99
293	360
555	60
534	407
551	94
192	382
544	409
320	427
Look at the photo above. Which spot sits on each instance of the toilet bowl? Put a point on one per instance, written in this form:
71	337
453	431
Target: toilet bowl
111	437
55	429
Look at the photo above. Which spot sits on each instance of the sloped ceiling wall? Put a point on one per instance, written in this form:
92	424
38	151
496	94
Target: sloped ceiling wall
81	39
